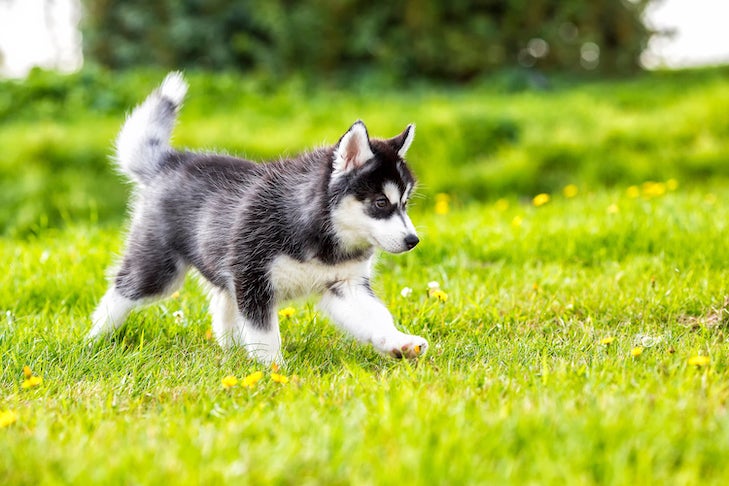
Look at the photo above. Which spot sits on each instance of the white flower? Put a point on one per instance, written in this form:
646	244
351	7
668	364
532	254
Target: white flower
647	341
406	292
179	316
433	285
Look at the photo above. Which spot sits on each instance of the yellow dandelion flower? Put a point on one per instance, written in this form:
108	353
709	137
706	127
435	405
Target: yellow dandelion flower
659	189
502	204
633	192
229	381
32	382
442	207
251	380
636	351
653	189
287	312
570	191
699	361
275	367
613	209
517	221
439	295
279	378
541	199
27	372
607	341
175	294
208	334
442	203
8	417
671	184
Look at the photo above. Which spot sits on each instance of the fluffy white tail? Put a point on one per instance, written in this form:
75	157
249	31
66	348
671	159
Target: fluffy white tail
144	140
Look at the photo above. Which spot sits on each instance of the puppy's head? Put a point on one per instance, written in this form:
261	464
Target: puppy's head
370	187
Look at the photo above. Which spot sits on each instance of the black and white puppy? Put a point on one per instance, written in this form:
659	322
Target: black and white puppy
261	233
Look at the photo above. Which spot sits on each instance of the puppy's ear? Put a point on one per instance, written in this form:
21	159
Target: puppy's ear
402	142
353	149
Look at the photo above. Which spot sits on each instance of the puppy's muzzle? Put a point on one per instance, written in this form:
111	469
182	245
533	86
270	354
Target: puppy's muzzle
411	240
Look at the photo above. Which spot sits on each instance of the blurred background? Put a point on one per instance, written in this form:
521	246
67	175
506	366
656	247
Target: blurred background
448	40
511	98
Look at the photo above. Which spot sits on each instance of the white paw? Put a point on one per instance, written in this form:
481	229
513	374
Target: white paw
265	356
401	346
263	345
228	338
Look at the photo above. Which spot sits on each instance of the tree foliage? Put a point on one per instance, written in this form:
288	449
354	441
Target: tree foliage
452	40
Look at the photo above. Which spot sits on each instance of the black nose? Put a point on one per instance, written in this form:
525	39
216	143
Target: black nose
411	241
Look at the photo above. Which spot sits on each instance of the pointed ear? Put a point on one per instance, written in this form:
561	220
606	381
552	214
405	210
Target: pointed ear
353	149
402	142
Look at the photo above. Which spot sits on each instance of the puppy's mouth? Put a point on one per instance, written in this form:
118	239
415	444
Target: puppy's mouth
402	248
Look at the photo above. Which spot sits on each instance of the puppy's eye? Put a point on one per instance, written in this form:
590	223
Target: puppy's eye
381	203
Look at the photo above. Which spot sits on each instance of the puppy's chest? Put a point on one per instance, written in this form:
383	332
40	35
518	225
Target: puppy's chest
292	278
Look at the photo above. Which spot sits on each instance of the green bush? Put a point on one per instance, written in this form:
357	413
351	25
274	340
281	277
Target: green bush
454	40
48	95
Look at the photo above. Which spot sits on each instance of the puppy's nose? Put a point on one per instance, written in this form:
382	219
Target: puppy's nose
411	240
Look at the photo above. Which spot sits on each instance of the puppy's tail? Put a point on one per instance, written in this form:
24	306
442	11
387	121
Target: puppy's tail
144	140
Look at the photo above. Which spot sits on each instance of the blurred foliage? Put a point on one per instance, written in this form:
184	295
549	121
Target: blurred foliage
48	94
495	139
434	39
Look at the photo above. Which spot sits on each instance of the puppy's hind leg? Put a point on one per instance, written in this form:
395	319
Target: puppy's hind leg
111	313
138	281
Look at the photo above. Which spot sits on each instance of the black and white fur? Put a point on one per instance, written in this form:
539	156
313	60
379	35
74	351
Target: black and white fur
261	233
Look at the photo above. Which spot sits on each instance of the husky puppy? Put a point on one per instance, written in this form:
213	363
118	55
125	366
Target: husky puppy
261	233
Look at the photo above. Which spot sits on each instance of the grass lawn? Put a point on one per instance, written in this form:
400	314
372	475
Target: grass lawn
563	354
481	143
579	337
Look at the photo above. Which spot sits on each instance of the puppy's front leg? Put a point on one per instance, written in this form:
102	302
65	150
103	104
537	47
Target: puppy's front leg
355	309
258	324
263	343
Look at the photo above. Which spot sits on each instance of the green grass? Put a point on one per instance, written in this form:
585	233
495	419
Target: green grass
517	387
481	142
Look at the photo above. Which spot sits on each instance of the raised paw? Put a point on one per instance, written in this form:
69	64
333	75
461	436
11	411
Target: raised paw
402	346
